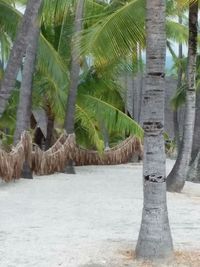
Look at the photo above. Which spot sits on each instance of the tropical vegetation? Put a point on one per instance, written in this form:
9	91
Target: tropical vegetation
74	61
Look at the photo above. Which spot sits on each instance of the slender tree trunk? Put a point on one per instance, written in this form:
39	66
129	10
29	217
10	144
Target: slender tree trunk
193	174
177	177
179	83
25	100
74	78
140	71
50	128
24	107
196	134
18	51
154	242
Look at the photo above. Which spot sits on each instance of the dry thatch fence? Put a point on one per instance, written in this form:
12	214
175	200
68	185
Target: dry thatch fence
11	163
55	159
119	154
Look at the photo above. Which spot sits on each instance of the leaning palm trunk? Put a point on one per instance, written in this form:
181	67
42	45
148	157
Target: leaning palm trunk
74	76
154	240
18	51
177	177
24	107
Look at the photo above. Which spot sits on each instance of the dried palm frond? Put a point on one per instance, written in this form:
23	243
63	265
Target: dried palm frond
11	163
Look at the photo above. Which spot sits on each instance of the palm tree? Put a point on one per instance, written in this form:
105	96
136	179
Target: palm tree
18	51
25	101
24	106
98	96
177	177
154	240
74	77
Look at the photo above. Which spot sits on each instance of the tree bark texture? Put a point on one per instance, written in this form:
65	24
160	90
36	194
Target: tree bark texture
74	79
154	241
196	134
24	107
177	177
74	73
179	83
18	51
194	170
50	128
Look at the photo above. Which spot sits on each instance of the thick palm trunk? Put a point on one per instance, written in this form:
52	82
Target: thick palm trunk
24	107
74	78
18	51
177	177
154	240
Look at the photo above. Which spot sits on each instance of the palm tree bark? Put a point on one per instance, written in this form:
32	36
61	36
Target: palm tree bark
50	128
196	134
154	240
177	177
193	174
24	107
25	100
74	78
179	83
18	51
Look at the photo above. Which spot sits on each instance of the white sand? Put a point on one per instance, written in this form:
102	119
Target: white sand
85	220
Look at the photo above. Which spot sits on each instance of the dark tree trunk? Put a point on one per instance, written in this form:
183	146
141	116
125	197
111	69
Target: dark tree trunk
50	128
74	78
177	177
24	107
154	241
18	51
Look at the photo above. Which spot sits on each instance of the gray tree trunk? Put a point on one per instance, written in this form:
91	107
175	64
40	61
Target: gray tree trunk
179	83
50	128
25	99
18	51
154	242
24	107
177	177
196	134
74	79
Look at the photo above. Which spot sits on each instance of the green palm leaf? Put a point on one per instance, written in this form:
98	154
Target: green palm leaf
113	118
89	124
116	35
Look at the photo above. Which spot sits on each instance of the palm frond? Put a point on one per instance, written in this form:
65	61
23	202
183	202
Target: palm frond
90	126
116	35
9	18
112	117
179	98
50	62
176	32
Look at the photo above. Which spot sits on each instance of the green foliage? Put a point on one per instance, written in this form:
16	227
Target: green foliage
115	35
112	117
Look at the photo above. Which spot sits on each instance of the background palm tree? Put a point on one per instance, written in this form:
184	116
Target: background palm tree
18	51
177	177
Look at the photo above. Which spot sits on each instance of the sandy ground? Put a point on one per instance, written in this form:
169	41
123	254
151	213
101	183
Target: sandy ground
90	219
